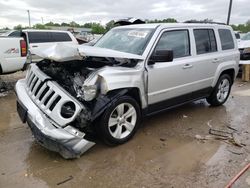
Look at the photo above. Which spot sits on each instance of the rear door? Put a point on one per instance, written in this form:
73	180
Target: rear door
206	58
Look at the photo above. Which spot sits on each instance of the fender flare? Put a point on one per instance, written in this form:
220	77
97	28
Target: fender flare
104	101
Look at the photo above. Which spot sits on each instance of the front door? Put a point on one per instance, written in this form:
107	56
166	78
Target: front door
170	83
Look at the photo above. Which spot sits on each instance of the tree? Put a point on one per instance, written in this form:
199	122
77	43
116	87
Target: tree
98	28
18	27
110	25
74	24
87	25
65	24
166	20
39	26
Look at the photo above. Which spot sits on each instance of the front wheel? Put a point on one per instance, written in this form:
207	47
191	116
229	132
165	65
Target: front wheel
221	91
120	121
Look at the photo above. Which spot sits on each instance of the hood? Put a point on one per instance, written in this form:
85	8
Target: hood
244	44
68	52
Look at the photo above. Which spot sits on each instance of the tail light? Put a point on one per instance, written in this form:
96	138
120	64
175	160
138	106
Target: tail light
23	47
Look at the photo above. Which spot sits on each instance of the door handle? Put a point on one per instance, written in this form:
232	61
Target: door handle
187	66
216	60
34	46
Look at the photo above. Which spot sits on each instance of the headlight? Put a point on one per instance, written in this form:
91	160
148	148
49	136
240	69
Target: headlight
68	109
89	92
246	51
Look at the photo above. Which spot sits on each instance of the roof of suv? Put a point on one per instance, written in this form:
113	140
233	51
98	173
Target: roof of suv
172	25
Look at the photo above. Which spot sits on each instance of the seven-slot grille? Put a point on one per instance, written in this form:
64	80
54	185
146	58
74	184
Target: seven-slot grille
48	95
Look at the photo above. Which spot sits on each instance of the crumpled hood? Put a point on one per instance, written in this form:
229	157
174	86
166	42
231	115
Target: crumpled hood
67	52
244	44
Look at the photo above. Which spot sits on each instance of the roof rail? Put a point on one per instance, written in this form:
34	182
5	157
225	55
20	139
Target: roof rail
205	22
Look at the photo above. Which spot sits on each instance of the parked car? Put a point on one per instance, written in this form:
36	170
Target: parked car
237	35
244	48
11	59
12	54
131	72
43	39
12	33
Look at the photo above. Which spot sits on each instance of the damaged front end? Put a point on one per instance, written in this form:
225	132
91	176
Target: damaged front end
63	95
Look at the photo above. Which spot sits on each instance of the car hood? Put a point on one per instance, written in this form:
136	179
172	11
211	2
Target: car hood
68	52
244	44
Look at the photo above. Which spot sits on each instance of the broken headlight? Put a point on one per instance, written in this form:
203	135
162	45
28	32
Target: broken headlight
89	92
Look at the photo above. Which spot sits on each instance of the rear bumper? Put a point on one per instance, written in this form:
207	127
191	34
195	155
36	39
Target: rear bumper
67	141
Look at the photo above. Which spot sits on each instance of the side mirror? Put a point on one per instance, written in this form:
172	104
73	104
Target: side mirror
161	56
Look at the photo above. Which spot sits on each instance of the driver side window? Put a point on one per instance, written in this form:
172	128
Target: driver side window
177	41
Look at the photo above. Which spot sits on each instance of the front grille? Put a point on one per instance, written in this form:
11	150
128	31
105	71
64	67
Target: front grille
48	95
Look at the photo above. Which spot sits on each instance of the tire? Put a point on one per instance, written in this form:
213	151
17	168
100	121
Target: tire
221	91
115	127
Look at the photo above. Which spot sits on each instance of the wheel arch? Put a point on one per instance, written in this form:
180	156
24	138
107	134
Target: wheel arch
103	102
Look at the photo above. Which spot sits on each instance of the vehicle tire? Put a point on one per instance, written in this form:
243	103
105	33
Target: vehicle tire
221	91
120	121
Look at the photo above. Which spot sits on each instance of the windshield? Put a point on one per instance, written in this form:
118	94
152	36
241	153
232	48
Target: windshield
246	37
126	40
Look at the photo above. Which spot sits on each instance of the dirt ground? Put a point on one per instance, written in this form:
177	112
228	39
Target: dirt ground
172	149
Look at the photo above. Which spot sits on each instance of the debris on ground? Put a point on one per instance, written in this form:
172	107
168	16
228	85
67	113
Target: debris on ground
66	180
240	85
184	116
232	128
215	134
163	139
208	124
229	185
235	152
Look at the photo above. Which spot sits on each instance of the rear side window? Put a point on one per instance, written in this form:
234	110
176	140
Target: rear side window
39	37
43	37
205	41
178	41
60	37
226	39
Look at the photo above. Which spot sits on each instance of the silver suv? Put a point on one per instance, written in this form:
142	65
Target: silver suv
79	93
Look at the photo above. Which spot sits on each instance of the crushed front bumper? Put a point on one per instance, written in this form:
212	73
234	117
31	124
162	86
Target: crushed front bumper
67	141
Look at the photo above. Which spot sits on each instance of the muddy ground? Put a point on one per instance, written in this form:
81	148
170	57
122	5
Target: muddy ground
169	150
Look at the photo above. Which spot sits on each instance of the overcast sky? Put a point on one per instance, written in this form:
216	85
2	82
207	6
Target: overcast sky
14	12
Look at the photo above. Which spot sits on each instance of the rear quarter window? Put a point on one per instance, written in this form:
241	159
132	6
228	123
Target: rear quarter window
60	37
226	39
43	37
39	37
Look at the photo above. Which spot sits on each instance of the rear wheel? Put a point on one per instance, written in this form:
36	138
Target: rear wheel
221	91
120	121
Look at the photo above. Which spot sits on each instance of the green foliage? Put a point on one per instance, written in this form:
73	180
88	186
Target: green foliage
98	28
244	28
167	20
74	24
39	26
110	25
18	27
52	24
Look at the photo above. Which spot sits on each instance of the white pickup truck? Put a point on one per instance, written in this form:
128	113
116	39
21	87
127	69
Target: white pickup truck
13	53
13	50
